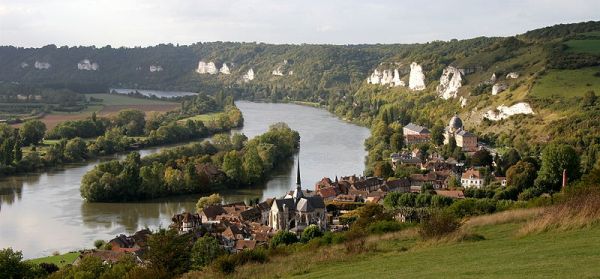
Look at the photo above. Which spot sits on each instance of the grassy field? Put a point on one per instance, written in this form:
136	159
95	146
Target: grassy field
567	83
584	46
60	260
202	117
503	253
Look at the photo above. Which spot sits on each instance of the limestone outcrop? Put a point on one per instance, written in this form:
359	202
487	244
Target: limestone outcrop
503	112
206	68
155	68
498	87
224	69
450	82
512	75
386	77
248	76
87	65
416	80
42	65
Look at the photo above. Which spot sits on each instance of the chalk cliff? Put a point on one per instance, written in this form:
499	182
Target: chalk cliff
503	112
450	82
416	80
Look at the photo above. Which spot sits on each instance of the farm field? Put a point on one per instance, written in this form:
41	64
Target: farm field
110	105
568	83
202	117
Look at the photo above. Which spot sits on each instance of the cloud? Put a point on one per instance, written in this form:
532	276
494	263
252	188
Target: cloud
149	22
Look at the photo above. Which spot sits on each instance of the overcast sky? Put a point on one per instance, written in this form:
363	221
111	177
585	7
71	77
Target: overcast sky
150	22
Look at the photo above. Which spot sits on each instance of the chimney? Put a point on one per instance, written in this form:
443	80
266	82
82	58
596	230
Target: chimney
564	180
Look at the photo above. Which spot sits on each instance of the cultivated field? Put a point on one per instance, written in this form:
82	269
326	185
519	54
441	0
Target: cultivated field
584	46
111	104
568	83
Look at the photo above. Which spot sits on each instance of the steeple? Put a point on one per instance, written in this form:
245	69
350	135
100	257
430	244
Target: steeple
298	192
298	184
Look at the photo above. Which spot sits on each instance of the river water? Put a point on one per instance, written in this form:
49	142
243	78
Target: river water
43	212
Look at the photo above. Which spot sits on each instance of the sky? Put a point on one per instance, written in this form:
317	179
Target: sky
35	23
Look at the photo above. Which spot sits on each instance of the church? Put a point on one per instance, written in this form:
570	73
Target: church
297	211
466	140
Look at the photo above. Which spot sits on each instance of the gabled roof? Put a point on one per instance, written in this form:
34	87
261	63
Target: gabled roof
213	211
289	203
308	204
464	133
416	128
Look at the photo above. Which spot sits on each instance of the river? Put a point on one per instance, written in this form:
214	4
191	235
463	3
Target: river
41	213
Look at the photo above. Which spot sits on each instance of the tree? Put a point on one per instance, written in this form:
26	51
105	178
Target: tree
555	159
391	200
482	158
12	266
310	232
32	132
427	188
213	199
437	134
169	251
521	175
396	142
132	120
283	238
18	151
383	169
99	243
75	150
232	166
510	158
253	166
205	250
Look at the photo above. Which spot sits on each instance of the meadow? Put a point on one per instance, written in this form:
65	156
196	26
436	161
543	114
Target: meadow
567	83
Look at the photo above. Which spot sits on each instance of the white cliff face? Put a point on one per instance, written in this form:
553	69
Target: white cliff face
290	73
493	78
503	112
277	72
463	102
155	68
416	80
498	87
224	69
24	65
248	76
385	77
450	82
87	65
206	68
42	65
512	75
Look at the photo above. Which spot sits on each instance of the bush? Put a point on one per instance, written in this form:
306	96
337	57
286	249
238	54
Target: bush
385	226
226	264
283	238
438	224
312	231
99	243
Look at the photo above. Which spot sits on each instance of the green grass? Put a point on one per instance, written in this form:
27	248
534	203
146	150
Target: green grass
567	83
119	99
502	255
60	260
584	46
202	117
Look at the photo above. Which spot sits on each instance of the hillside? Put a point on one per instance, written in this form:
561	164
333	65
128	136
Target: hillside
502	253
521	91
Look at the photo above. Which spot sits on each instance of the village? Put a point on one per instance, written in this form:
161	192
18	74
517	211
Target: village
240	226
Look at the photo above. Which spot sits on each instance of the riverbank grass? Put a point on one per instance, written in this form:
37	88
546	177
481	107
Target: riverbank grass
202	117
59	260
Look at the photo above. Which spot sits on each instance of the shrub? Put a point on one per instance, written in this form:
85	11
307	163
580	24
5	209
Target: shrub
283	238
441	201
438	224
385	226
99	243
312	231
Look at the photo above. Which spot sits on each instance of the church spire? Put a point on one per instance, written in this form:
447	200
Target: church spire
298	184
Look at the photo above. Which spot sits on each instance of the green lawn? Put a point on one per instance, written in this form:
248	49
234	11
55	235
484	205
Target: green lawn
60	260
567	83
502	255
120	99
202	117
584	46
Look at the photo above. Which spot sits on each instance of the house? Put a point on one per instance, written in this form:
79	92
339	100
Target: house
107	256
415	134
244	244
210	213
472	178
501	179
298	211
186	222
401	185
